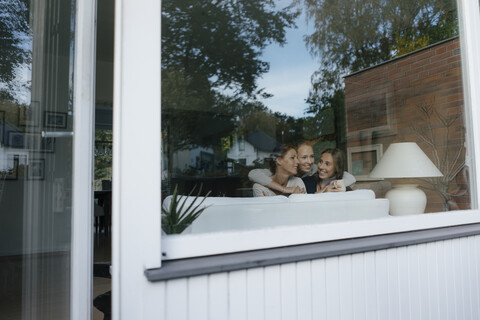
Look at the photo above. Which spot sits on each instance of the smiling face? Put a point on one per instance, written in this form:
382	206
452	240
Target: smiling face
326	166
288	164
306	158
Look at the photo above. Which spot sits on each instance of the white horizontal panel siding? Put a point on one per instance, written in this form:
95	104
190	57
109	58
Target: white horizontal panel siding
437	280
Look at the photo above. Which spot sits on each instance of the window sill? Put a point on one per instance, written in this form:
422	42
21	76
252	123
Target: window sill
196	245
260	258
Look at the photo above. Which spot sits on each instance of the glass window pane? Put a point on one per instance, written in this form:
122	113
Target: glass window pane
240	79
36	41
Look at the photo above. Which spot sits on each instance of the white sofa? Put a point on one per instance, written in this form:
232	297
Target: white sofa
224	213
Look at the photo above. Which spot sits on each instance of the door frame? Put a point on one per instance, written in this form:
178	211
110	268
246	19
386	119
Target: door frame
81	264
136	158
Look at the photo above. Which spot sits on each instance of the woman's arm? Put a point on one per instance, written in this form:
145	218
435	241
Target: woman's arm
296	184
260	191
262	177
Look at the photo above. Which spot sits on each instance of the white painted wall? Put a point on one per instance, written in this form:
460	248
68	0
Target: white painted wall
438	280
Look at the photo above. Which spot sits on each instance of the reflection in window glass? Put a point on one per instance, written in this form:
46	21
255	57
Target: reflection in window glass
36	108
103	160
378	73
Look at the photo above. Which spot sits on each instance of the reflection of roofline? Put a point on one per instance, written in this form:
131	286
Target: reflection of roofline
401	57
262	141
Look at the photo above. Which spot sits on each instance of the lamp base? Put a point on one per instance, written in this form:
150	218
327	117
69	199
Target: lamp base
406	199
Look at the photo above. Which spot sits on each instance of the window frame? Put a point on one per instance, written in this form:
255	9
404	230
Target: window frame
131	249
195	245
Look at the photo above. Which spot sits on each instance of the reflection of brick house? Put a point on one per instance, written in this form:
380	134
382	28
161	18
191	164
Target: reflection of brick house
383	106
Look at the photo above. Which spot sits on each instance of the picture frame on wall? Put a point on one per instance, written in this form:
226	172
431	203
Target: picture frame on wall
53	119
47	145
16	139
36	169
31	141
361	160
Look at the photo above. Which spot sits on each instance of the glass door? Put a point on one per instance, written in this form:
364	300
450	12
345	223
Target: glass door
39	231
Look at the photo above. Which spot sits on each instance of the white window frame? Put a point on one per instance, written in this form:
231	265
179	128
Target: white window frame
194	245
81	264
137	241
136	157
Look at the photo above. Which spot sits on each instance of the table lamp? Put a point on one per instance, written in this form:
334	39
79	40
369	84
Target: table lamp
405	160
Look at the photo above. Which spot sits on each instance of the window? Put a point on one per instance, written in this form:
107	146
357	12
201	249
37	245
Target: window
360	81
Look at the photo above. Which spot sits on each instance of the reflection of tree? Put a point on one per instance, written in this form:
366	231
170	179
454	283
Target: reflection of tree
103	154
354	35
210	45
14	28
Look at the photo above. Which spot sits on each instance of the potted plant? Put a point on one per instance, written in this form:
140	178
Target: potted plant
178	216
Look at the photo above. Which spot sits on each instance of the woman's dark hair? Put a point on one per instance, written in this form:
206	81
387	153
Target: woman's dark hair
279	152
338	160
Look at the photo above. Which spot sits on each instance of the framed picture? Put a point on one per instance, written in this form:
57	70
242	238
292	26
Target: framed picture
31	141
369	115
362	160
47	145
55	120
16	139
36	169
26	116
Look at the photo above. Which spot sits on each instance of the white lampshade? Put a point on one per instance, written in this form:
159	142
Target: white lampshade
405	160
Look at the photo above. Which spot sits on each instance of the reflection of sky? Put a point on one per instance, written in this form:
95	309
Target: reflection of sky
291	67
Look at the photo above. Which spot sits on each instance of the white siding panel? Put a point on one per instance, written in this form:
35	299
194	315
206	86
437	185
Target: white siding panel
370	286
177	299
218	296
304	290
403	286
237	295
319	290
438	280
442	284
345	283
198	298
432	275
423	276
333	293
449	279
358	287
414	283
393	285
467	298
255	294
273	296
457	264
474	246
288	279
381	273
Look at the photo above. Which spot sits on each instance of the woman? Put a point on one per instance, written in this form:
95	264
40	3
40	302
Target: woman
285	169
329	176
306	168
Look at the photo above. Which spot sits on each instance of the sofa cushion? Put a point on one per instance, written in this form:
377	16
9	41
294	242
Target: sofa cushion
219	201
333	196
